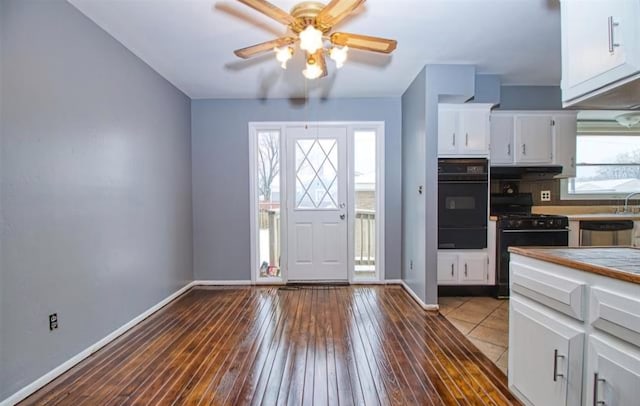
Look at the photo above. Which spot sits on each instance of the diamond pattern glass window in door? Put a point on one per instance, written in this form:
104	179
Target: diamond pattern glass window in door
317	174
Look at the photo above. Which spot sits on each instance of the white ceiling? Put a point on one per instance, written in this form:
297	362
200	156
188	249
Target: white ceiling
191	43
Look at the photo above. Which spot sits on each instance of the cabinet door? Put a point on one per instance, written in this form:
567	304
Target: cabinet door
545	356
600	44
566	130
502	137
473	268
613	374
474	132
447	269
448	138
534	139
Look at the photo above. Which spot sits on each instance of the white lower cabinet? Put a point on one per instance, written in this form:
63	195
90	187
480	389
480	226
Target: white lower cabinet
613	374
559	357
545	356
463	267
447	268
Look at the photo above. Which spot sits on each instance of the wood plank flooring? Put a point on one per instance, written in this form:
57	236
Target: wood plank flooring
347	345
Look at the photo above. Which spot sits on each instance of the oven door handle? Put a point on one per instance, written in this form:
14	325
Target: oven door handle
564	230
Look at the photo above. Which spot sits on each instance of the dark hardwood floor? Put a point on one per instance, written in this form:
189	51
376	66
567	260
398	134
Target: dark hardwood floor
305	345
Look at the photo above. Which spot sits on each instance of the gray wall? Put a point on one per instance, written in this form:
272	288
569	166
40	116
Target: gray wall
530	98
221	174
96	187
414	117
436	83
2	29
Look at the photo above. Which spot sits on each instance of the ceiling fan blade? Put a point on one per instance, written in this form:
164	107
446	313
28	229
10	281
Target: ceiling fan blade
248	52
337	10
364	42
270	10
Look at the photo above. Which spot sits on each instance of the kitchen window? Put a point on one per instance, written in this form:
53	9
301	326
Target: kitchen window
607	167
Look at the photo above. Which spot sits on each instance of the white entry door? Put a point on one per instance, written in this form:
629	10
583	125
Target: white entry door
317	203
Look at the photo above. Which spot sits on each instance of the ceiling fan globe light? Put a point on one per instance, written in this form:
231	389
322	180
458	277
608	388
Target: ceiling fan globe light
339	55
311	39
283	55
313	71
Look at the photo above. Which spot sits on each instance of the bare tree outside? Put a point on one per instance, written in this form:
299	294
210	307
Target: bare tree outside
628	169
268	162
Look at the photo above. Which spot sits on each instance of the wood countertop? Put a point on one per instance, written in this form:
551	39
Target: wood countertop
621	263
604	216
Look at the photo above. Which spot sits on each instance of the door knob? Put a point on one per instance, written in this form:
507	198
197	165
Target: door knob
342	216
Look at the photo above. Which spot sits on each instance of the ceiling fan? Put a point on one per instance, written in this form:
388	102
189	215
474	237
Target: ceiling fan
310	23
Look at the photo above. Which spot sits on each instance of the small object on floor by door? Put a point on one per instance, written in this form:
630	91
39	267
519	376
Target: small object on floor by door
264	268
273	270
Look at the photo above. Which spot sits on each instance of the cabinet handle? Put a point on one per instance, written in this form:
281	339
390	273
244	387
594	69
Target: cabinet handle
452	273
466	139
597	380
465	271
612	42
454	139
555	365
509	149
524	149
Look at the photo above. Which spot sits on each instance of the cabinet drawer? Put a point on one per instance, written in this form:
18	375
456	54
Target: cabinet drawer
616	314
559	293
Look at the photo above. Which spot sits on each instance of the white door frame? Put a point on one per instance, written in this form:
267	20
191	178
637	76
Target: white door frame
352	127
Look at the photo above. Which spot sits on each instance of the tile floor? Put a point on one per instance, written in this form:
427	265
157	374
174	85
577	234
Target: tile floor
484	321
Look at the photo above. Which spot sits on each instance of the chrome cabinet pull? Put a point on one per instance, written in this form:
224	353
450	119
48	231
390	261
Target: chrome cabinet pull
596	380
466	139
452	273
612	41
524	149
509	149
454	139
466	273
556	375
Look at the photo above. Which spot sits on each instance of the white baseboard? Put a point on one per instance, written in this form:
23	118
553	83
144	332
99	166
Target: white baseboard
221	283
429	307
383	282
64	367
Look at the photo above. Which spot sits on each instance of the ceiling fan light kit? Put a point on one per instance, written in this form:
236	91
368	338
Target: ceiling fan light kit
311	23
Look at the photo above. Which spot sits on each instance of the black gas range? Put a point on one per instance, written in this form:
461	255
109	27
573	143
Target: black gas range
518	227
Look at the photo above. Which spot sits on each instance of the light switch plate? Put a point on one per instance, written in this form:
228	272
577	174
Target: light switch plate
545	195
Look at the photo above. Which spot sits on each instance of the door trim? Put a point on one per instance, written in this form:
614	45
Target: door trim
352	127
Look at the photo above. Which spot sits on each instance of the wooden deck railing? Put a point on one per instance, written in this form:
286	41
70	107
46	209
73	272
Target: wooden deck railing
364	230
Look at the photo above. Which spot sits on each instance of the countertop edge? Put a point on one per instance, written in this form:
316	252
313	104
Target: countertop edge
539	253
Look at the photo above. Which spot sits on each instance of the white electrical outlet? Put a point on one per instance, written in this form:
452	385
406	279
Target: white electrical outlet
545	195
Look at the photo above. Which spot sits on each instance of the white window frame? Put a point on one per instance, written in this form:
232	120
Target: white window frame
564	183
379	128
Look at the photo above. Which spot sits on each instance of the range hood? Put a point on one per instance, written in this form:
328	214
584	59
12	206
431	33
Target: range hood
525	172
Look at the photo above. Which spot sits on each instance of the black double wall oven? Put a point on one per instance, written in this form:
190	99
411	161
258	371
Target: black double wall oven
463	186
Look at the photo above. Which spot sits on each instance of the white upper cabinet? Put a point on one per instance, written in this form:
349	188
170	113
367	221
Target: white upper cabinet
601	53
448	134
502	136
534	139
463	129
566	129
